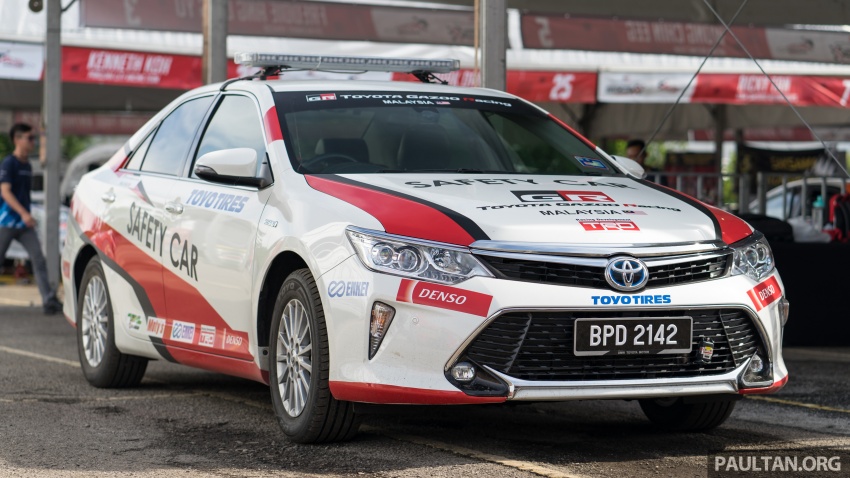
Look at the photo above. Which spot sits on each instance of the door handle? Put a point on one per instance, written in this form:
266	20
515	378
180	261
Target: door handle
174	208
108	196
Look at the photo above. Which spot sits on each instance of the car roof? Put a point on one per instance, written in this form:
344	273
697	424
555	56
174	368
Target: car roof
332	86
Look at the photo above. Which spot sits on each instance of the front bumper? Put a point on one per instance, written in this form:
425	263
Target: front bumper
427	337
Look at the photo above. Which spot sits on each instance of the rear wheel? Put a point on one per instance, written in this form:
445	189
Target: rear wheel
299	368
103	365
692	414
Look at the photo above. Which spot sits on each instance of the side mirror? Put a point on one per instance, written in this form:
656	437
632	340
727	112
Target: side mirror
237	166
631	166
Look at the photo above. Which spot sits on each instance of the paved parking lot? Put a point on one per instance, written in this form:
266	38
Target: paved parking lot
185	422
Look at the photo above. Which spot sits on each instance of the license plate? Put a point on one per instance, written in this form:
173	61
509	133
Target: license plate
632	336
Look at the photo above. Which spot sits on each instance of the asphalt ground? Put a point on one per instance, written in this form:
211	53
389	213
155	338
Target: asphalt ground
186	422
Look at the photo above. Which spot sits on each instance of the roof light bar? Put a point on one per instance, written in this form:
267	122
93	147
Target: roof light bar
347	63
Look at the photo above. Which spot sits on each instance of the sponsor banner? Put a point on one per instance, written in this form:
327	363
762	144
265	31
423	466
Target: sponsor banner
21	61
681	38
538	86
294	19
765	293
753	160
444	297
741	89
90	123
129	68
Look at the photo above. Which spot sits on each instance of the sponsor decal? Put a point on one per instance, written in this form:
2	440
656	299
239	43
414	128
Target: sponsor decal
156	327
585	196
608	225
219	201
134	321
270	223
589	212
182	331
569	196
231	341
591	162
765	293
641	299
322	97
348	289
444	297
207	336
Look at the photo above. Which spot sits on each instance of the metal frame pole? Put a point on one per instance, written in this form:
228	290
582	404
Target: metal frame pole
494	43
215	41
52	117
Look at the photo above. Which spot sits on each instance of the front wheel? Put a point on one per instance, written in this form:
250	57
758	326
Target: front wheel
103	365
299	368
692	414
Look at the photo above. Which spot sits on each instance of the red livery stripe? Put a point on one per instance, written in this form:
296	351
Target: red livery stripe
272	125
771	389
396	214
732	228
571	130
391	394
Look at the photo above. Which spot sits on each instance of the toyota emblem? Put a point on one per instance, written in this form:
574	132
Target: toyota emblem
626	274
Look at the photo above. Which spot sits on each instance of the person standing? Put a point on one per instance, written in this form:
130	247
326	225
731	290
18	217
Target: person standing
636	150
16	222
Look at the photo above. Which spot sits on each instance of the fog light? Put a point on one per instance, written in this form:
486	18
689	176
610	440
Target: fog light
756	365
784	310
382	317
463	372
759	371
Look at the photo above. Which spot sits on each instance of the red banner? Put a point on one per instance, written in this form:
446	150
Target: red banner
286	18
682	38
538	86
129	68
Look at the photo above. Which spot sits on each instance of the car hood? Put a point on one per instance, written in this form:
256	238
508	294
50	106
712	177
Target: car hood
544	209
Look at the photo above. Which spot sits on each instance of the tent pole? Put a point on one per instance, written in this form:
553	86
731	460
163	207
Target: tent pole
52	115
494	42
215	41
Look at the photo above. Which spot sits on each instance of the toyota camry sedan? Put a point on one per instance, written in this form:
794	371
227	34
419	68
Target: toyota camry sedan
351	242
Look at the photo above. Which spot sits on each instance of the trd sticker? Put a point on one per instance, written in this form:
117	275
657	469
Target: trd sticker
444	297
348	289
591	162
644	299
765	293
156	327
557	196
608	225
207	336
134	321
322	97
182	332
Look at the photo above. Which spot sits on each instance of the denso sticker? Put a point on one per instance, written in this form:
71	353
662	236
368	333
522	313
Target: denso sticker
591	162
156	327
231	340
182	332
608	225
643	299
207	336
134	322
347	289
444	297
765	293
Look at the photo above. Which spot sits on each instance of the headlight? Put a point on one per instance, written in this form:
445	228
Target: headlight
410	258
752	257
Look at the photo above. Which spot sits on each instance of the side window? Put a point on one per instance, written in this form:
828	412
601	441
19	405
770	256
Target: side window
235	124
171	143
136	160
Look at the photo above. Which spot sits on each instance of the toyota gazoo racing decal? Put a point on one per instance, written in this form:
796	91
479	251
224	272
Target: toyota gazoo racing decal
533	208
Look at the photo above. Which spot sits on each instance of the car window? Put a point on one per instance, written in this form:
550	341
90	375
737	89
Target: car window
774	206
139	154
167	153
235	124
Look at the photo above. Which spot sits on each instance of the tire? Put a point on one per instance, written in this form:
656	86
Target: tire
692	415
318	417
103	365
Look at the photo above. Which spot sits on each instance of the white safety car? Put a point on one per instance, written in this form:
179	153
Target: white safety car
408	243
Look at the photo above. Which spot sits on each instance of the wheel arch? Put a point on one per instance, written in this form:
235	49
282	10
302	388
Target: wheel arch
283	264
83	257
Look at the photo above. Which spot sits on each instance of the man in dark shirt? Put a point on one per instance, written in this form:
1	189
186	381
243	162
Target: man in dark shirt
15	219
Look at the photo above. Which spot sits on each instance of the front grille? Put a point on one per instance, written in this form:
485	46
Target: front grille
539	346
594	276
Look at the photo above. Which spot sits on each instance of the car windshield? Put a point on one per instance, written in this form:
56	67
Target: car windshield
400	132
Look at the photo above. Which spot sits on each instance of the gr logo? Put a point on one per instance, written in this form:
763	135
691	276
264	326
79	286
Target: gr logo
558	196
